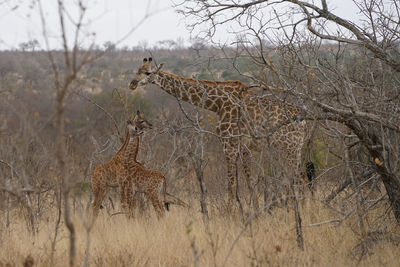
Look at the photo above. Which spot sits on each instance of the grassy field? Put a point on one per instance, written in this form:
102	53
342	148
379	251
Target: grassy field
181	239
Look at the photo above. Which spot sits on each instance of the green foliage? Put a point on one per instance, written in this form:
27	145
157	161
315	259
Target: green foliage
115	103
318	151
81	188
138	102
234	76
121	107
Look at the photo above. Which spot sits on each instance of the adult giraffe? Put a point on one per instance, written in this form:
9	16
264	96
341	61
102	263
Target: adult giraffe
245	119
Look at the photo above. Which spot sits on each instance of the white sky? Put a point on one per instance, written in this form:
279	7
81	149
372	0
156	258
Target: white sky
110	20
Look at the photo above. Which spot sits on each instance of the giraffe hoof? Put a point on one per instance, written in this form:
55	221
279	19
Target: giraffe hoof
166	204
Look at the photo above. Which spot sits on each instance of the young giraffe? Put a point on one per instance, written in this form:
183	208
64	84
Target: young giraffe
110	173
244	119
138	178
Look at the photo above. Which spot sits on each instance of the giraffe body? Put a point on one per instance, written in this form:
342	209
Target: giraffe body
244	119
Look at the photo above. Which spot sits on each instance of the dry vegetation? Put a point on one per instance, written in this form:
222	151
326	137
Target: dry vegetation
268	240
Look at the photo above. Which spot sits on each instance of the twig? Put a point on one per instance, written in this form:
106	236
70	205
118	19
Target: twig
101	108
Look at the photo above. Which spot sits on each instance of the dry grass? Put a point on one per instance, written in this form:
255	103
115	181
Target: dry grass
145	241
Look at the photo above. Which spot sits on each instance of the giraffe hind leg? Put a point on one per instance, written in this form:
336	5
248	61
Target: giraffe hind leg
99	193
96	205
153	197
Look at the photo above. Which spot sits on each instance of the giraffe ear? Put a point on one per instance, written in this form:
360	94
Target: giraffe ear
138	112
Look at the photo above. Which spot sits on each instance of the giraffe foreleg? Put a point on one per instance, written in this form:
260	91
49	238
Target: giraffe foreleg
246	165
231	175
131	200
231	156
125	188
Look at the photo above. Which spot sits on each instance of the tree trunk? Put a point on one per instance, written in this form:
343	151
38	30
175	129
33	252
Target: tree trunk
389	179
61	153
297	217
198	167
392	186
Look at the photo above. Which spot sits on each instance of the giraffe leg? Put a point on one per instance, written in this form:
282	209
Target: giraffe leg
280	182
231	155
233	176
285	182
125	188
153	196
140	199
293	174
131	201
246	165
98	199
295	166
99	193
231	179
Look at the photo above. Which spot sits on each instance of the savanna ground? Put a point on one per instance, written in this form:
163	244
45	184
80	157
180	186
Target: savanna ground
181	239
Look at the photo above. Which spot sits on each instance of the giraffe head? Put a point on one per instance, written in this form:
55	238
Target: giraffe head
138	125
145	74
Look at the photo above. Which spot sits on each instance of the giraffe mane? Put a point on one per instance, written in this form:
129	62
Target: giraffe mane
125	142
191	80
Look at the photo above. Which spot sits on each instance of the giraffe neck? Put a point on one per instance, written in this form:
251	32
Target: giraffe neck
122	148
131	152
210	95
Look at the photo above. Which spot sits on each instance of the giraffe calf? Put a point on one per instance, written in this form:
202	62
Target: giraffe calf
105	176
140	179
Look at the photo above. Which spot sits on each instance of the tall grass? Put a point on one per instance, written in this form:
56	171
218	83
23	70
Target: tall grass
171	241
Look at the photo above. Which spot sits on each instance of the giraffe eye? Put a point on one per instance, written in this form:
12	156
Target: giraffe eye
147	73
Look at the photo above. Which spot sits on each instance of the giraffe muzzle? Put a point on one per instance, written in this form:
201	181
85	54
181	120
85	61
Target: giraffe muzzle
133	85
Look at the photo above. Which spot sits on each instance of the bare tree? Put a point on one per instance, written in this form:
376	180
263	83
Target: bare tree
314	65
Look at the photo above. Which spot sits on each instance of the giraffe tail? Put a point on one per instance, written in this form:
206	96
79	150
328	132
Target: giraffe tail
166	204
310	171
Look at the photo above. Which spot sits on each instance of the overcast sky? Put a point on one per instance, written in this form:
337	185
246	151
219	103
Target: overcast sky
110	20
